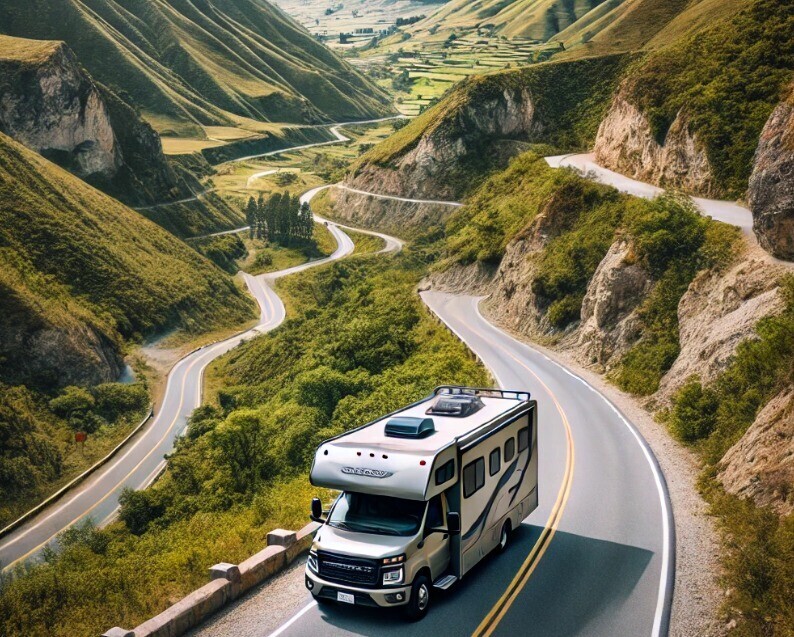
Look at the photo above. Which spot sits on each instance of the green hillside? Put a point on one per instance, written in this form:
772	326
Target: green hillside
185	64
81	272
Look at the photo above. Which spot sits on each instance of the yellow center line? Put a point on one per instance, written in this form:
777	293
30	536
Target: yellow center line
503	604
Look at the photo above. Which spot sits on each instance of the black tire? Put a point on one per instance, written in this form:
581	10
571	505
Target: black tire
419	603
504	537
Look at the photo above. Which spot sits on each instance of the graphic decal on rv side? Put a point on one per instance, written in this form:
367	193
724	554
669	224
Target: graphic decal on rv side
369	473
480	521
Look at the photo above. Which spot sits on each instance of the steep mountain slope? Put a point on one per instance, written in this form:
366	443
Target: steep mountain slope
535	19
484	120
51	105
211	62
81	272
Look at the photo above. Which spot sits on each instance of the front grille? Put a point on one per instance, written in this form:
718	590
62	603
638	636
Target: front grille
348	570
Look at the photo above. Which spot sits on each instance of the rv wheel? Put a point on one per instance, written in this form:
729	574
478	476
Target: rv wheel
417	606
504	537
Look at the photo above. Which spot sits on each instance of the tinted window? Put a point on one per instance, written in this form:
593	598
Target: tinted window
523	439
473	477
435	517
445	472
510	449
495	461
383	515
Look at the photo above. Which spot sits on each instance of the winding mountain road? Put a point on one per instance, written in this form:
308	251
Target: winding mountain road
596	558
142	460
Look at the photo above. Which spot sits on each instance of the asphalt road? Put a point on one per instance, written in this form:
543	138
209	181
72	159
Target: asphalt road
143	460
596	558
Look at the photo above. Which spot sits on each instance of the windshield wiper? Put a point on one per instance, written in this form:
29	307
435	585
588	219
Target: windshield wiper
341	525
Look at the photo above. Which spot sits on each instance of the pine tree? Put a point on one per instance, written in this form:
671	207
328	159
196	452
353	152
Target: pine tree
307	220
251	216
262	230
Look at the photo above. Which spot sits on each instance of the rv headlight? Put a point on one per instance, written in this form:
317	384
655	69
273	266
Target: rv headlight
312	562
397	559
393	576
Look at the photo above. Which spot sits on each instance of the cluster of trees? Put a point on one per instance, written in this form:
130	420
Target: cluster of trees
281	218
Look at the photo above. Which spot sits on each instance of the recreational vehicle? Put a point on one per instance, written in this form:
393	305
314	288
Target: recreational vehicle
426	492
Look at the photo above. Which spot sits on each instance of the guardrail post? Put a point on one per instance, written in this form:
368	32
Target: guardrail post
228	572
281	537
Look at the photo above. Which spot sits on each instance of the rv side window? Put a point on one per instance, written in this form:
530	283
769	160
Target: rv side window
510	449
523	439
495	461
445	472
473	477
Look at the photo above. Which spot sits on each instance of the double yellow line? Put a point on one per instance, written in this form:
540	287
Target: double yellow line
503	604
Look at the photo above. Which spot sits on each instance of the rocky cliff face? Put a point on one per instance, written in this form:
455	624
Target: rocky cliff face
40	351
771	191
51	105
435	167
625	143
717	312
761	464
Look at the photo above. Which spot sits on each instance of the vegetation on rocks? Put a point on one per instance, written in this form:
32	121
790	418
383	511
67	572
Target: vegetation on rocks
726	78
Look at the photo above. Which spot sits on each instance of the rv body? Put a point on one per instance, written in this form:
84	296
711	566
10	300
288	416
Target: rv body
427	492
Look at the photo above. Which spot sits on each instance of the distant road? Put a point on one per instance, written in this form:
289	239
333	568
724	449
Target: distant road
143	460
725	211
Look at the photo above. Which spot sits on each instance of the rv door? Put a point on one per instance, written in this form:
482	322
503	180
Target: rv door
436	543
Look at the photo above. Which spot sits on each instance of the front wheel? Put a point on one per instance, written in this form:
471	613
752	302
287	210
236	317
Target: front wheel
417	606
504	537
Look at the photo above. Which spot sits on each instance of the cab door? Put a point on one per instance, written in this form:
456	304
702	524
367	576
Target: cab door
436	545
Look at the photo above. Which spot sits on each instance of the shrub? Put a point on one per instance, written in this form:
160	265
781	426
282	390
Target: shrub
115	400
72	401
693	416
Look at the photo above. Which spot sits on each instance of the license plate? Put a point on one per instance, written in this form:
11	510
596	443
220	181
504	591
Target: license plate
347	598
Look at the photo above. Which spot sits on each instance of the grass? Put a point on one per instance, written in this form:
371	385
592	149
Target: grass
328	368
270	257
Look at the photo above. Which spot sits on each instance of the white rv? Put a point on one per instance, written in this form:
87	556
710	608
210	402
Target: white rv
427	492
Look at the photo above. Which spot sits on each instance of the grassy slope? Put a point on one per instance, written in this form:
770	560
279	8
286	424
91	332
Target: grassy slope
727	78
86	255
570	98
186	64
360	345
536	19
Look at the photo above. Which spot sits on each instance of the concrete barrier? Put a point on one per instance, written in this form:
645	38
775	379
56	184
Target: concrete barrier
227	582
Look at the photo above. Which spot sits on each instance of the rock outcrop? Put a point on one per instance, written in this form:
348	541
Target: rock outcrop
771	191
609	324
434	167
761	464
49	104
717	312
626	144
50	344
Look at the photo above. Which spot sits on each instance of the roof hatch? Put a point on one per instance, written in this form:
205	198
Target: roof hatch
407	427
455	406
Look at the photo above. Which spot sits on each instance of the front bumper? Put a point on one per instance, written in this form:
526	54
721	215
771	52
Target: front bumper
376	597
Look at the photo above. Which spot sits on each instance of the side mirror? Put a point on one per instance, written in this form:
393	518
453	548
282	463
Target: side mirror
317	510
453	523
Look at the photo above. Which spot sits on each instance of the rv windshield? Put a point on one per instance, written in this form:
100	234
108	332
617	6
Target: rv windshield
377	514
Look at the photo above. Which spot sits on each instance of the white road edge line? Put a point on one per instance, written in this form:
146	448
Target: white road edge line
293	619
661	618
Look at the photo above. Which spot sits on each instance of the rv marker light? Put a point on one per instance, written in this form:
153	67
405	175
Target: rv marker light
422	463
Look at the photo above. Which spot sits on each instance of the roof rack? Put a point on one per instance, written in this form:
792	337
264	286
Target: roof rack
481	391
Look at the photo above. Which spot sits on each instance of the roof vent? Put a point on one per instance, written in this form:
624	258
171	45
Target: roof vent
455	406
406	427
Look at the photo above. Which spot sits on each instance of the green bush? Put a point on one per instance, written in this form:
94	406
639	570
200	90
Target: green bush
138	509
692	417
117	400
